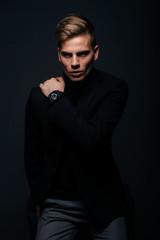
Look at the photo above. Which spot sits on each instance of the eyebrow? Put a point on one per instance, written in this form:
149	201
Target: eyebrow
78	53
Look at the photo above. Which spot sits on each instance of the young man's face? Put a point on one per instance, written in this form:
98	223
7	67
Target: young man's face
77	56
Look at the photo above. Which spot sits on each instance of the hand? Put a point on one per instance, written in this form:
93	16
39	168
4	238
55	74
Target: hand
51	85
38	212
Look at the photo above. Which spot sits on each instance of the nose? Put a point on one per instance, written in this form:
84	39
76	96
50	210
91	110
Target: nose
75	62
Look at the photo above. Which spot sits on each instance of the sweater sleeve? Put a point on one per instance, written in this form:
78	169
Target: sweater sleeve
87	133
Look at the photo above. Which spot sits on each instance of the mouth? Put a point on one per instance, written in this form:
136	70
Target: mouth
76	73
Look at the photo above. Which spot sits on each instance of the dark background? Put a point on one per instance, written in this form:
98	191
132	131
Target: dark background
128	40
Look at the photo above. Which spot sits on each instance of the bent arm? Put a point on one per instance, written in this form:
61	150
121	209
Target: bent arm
88	133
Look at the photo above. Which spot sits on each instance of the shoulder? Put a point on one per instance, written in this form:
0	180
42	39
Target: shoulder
36	95
109	80
34	92
36	100
110	84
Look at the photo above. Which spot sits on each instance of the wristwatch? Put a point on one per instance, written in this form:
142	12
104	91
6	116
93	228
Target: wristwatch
53	96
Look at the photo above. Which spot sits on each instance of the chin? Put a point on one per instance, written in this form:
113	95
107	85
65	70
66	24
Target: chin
76	78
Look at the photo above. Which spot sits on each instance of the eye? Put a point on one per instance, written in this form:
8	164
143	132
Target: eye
83	54
66	55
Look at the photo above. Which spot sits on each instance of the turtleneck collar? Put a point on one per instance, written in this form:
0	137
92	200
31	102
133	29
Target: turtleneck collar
78	84
74	89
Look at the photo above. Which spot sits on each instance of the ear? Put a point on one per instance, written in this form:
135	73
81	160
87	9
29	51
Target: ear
96	52
59	57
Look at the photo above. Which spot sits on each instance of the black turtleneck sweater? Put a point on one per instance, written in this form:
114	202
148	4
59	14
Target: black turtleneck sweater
64	183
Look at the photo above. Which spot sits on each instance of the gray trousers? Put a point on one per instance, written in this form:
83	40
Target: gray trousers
62	219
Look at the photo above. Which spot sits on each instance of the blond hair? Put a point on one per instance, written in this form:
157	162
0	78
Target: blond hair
74	25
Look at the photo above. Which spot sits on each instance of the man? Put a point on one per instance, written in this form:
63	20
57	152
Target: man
70	120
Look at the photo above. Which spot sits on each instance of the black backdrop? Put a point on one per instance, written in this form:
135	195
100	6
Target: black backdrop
126	34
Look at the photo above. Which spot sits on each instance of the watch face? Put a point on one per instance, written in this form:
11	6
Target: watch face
54	96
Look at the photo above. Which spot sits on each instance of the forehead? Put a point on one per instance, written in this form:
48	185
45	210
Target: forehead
77	43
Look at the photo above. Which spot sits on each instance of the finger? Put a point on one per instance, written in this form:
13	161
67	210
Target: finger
37	212
46	81
60	79
41	85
